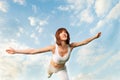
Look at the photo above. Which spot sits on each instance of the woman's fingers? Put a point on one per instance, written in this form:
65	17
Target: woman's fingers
10	50
98	35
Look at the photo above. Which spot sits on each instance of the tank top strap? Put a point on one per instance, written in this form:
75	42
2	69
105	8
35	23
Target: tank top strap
68	48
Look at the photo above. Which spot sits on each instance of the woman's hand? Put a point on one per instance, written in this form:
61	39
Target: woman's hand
98	35
11	51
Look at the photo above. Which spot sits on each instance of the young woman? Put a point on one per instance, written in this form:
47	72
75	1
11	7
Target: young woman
61	52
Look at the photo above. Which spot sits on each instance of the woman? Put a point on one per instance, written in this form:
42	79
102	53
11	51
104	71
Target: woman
61	52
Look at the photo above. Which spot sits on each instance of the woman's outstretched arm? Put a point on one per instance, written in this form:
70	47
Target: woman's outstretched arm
76	44
30	51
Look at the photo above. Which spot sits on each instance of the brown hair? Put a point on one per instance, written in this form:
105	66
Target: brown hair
58	41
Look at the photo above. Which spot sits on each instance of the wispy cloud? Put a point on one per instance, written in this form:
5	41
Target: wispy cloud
42	22
21	31
13	66
102	6
3	6
21	2
99	25
9	64
86	54
32	21
89	58
86	16
110	62
65	8
83	77
38	25
37	22
9	68
39	29
113	14
35	37
78	14
34	8
77	5
2	21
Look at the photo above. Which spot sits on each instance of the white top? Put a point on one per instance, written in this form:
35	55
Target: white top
60	59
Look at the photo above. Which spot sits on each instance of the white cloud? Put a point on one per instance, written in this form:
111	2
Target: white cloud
86	16
90	2
18	34
82	77
9	68
38	59
42	22
39	29
112	77
37	22
32	21
110	62
35	37
6	43
3	6
65	8
14	66
21	31
115	12
21	2
99	25
32	35
88	55
80	9
102	6
10	64
77	4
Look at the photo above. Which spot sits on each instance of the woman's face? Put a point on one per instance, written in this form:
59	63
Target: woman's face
63	36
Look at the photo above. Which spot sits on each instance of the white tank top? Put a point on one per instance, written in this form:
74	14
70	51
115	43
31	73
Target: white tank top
60	59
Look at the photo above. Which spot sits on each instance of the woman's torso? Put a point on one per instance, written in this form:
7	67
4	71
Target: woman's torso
60	56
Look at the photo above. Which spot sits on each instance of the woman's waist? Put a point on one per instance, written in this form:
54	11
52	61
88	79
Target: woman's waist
56	65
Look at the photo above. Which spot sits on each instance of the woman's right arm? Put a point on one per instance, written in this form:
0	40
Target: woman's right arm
30	51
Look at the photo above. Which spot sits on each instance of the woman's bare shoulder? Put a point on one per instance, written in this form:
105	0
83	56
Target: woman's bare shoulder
53	48
72	44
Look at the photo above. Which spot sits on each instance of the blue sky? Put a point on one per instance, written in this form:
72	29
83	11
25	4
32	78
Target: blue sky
33	23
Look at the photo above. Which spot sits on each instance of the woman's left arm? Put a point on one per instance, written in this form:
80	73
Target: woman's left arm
76	44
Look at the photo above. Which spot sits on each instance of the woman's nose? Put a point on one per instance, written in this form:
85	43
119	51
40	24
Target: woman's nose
64	33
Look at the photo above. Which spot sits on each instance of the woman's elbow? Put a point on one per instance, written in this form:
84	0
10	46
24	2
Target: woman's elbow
32	51
84	43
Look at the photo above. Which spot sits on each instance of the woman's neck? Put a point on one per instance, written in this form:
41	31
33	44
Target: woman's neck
63	44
